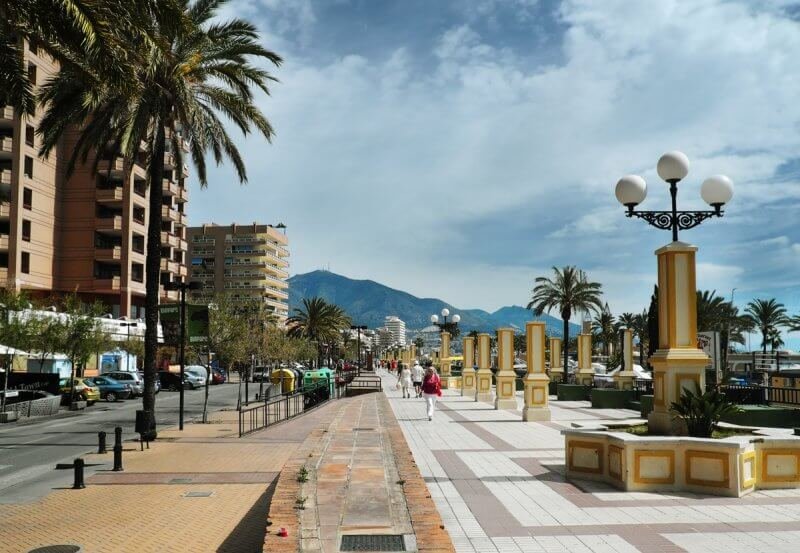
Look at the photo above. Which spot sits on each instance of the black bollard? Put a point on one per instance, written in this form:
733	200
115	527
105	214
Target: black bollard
117	449
101	442
78	484
118	436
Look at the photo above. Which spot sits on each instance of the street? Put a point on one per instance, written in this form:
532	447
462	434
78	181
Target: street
31	450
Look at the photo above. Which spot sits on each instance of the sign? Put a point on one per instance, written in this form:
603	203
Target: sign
196	323
709	343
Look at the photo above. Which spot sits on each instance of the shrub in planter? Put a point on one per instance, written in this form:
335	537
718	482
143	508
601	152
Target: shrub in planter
702	411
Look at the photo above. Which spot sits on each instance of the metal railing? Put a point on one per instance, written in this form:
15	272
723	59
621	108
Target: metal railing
282	408
761	395
364	382
642	387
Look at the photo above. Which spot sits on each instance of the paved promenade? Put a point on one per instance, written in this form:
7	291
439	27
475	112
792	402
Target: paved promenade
498	484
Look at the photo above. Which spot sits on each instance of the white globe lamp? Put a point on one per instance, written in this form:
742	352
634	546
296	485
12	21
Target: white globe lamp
631	190
673	166
717	191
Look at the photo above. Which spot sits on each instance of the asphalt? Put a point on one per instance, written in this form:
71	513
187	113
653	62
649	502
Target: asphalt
30	451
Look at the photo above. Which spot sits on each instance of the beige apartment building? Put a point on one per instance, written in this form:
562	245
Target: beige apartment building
86	233
246	261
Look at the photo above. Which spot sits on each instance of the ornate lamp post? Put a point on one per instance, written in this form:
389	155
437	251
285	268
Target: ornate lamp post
444	351
678	364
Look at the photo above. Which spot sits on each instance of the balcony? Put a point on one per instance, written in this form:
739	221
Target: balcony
170	188
278	305
243	286
109	224
5	210
276	293
183	245
7	115
185	171
107	284
4	240
169	161
247	275
280	250
5	176
168	239
171	295
169	266
183	271
6	147
279	273
109	195
113	253
114	167
252	239
169	214
183	195
4	275
181	220
200	239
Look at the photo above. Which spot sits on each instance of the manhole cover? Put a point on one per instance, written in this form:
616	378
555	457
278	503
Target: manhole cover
57	549
197	494
387	542
180	481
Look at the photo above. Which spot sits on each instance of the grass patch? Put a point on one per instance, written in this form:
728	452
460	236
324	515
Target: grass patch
718	433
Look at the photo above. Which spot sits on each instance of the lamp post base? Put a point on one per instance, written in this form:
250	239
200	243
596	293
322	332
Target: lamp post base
539	414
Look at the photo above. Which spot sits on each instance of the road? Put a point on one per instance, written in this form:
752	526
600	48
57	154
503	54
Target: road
30	451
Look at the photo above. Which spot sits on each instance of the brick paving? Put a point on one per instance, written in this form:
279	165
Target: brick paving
147	508
498	484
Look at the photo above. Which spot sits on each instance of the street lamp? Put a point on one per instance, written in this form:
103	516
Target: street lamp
359	328
182	287
716	191
445	313
444	348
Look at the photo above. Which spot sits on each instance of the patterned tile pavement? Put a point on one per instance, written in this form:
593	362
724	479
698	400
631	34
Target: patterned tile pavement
499	487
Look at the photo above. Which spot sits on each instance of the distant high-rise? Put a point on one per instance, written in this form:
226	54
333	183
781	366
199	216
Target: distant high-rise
397	329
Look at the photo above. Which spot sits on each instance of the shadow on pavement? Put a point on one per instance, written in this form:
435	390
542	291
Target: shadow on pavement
249	533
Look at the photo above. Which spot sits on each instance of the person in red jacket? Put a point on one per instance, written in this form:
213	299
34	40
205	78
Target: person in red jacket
431	388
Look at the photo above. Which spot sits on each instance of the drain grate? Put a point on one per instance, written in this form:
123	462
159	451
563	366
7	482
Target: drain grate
180	481
197	494
386	542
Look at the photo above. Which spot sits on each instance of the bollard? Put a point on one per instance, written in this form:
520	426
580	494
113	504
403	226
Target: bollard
78	484
101	442
117	449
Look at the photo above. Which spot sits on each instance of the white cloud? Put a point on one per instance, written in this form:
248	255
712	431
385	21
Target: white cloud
380	162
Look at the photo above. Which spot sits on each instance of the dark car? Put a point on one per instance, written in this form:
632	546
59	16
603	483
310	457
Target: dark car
217	377
110	389
170	381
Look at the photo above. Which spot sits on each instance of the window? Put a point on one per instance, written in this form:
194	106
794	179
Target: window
26	230
33	47
26	263
29	167
32	74
30	133
27	198
137	272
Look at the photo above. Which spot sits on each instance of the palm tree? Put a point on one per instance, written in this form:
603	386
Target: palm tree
640	327
188	71
626	320
604	327
568	292
712	311
318	321
766	316
775	339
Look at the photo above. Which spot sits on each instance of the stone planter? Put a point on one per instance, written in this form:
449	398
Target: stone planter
77	405
733	466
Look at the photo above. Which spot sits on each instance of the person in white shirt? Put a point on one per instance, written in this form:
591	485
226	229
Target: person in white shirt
404	379
417	374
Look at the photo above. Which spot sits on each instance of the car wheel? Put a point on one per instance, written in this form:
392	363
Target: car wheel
111	396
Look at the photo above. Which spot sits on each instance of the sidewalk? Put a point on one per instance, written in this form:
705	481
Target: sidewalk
498	484
203	489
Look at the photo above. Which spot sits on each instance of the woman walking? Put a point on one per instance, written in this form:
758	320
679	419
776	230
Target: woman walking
404	379
431	388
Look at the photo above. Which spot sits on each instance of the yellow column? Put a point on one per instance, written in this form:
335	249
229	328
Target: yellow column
625	376
585	374
556	370
444	351
413	354
677	364
468	372
483	377
536	381
506	387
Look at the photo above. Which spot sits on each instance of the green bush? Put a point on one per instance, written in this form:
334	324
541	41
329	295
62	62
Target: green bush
701	412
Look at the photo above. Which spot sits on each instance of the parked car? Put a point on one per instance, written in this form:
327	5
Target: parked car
110	389
195	376
217	377
261	374
133	379
85	390
170	381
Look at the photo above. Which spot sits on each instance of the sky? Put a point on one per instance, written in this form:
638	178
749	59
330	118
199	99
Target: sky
459	149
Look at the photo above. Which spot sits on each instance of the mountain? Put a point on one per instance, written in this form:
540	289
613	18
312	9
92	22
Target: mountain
368	302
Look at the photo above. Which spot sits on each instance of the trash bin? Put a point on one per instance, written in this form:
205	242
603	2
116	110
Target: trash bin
323	373
284	379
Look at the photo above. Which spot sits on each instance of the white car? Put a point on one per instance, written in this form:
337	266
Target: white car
195	376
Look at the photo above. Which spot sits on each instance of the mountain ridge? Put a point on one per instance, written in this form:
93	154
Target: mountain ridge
368	302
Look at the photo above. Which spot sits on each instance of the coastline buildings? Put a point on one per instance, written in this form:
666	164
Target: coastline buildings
87	233
247	261
397	329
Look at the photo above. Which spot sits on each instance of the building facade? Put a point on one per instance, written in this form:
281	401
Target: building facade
85	233
248	262
397	328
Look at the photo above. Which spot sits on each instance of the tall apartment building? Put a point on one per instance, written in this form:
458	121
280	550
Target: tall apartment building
397	328
85	233
246	261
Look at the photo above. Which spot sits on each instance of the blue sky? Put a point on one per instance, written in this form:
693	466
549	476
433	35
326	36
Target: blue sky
459	149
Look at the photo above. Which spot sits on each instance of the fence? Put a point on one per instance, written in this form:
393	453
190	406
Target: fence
285	407
35	407
761	395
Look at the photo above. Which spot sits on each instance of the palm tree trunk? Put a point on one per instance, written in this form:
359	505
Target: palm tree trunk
153	270
566	350
764	342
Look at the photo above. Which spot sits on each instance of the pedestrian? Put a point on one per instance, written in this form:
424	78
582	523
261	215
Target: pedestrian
417	374
404	379
431	388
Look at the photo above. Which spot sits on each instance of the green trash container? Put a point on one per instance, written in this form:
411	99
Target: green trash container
323	373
